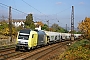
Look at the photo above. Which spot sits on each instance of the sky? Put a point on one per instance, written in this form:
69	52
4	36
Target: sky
56	11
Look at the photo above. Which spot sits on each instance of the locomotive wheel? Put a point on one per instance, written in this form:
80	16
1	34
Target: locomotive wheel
17	49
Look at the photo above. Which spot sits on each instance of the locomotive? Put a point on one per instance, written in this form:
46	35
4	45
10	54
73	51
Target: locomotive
28	39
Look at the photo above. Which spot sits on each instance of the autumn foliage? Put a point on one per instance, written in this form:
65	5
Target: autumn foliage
80	50
40	23
84	27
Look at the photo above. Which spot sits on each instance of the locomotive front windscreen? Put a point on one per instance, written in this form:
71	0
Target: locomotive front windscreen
24	34
24	37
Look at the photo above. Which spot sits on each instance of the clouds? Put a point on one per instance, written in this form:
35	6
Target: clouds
58	3
81	3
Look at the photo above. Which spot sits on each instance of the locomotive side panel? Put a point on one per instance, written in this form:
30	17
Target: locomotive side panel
42	38
33	39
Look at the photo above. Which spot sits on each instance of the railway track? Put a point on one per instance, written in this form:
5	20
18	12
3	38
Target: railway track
53	53
5	52
49	51
34	54
37	54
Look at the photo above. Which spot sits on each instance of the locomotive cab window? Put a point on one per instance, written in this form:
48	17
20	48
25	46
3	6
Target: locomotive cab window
32	35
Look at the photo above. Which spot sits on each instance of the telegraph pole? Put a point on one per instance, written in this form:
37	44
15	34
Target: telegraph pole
66	27
72	23
48	23
10	23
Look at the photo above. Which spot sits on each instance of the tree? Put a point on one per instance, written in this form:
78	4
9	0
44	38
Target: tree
4	28
45	27
29	23
84	27
57	28
40	23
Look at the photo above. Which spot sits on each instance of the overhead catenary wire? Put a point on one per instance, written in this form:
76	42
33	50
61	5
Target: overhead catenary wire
31	6
16	9
35	8
2	16
63	10
3	6
19	10
13	8
41	12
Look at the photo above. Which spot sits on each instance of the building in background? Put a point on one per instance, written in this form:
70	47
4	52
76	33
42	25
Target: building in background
19	22
37	26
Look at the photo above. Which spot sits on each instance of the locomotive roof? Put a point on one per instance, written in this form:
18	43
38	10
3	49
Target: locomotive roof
25	31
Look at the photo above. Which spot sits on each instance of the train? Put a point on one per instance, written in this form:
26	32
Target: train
29	39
